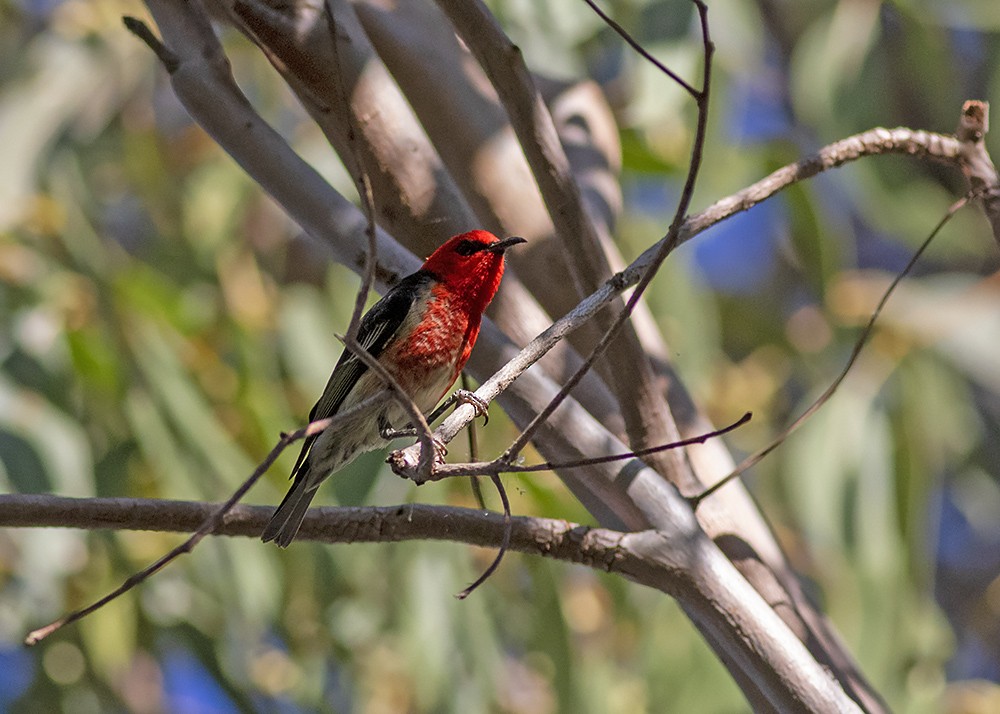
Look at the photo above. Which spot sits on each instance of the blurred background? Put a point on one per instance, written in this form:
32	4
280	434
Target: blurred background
161	321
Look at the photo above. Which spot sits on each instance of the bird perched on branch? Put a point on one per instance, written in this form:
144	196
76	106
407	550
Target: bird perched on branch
422	331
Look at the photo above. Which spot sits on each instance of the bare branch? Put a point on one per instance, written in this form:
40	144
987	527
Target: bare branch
204	84
692	569
209	524
418	201
504	544
501	465
639	49
324	524
978	168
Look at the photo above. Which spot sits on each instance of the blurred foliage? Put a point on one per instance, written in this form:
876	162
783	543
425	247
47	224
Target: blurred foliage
162	321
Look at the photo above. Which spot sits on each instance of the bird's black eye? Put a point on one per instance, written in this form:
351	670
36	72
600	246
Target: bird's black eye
467	247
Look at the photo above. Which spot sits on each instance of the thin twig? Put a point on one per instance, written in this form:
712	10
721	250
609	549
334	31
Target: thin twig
502	466
478	493
210	523
635	45
473	432
639	453
504	543
859	344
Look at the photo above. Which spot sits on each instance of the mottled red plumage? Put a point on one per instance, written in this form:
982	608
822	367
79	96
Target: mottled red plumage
422	331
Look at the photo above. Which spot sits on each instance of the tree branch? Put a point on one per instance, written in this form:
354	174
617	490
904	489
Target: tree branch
452	97
211	520
641	400
875	142
690	569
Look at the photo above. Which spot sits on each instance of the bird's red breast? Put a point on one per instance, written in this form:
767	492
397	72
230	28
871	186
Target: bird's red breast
422	331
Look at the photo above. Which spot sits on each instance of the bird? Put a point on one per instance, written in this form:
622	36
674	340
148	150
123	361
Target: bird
422	331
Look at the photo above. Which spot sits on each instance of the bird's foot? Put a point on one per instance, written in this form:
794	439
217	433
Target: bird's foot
388	433
481	406
440	450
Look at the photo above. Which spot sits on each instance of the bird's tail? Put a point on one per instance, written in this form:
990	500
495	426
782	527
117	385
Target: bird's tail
287	518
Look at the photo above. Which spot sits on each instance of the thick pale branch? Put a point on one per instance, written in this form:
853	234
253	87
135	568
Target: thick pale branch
204	84
689	568
344	86
470	129
640	396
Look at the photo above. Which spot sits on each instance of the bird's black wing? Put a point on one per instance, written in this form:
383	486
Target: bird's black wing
378	328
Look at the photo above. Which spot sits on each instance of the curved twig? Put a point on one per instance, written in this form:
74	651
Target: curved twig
755	458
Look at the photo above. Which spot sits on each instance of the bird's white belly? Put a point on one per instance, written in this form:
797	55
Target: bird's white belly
343	441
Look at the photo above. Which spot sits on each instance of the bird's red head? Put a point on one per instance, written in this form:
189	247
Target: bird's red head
471	264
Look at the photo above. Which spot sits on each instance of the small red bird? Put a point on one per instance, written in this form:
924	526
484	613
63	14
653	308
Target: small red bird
422	331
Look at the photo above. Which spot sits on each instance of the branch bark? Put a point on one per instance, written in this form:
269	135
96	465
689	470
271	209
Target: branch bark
679	561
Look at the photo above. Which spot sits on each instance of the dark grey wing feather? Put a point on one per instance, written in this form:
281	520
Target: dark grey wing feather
377	329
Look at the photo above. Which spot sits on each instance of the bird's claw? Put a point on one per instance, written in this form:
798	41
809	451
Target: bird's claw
440	450
480	405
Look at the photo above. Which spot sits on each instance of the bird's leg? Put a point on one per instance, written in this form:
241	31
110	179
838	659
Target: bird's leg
463	396
386	431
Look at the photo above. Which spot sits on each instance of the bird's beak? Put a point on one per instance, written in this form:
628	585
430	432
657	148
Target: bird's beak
501	245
